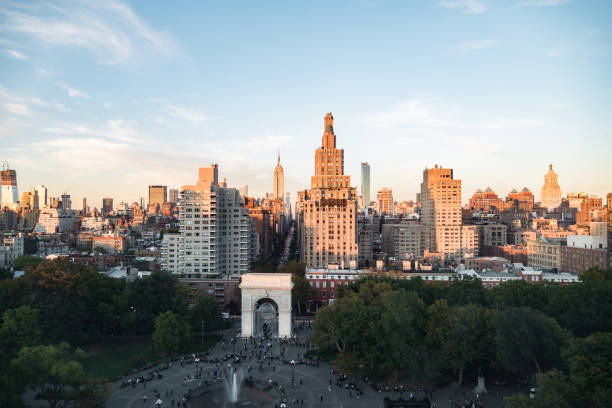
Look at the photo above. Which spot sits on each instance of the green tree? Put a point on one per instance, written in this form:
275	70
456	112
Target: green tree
53	372
301	292
518	293
457	337
19	328
590	369
23	262
400	331
5	274
172	335
595	274
525	336
553	388
205	310
464	291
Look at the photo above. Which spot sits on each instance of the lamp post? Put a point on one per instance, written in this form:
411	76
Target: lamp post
202	332
292	378
133	324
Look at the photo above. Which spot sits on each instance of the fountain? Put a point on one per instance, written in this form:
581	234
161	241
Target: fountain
232	384
235	392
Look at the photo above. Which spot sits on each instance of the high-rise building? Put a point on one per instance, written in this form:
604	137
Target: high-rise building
609	220
107	205
365	184
84	206
328	211
216	232
551	192
244	191
66	202
384	199
9	193
158	195
42	196
279	180
173	195
441	215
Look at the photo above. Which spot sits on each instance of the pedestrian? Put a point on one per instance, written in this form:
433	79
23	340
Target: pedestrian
321	398
144	399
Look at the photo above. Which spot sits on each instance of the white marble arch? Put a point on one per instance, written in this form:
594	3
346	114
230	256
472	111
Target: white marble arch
276	286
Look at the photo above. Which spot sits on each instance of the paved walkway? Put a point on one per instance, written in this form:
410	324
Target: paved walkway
311	382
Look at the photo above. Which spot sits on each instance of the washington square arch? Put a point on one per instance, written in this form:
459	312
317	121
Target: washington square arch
266	304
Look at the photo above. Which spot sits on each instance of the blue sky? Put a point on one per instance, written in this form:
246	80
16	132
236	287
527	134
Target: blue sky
104	98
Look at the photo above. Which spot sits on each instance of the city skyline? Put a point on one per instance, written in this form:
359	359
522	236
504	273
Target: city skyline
144	98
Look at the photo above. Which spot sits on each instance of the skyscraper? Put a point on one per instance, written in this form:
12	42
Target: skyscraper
42	196
66	202
158	195
279	180
384	198
107	205
84	205
328	211
441	215
173	195
365	184
244	191
9	193
551	192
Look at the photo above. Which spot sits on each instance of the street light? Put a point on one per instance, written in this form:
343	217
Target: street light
292	378
202	332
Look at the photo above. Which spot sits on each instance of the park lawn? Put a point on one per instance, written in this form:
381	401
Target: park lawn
114	357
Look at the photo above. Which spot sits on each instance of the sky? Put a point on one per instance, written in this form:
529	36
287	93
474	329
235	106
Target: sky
103	98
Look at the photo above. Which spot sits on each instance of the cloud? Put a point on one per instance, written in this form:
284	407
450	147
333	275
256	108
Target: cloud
116	129
109	29
468	6
75	93
16	54
18	108
470	46
417	117
190	115
555	52
108	105
544	3
20	105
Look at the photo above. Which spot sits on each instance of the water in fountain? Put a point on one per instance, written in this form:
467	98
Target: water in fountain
233	381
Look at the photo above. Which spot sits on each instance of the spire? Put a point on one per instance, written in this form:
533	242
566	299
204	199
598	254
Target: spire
329	138
278	161
550	166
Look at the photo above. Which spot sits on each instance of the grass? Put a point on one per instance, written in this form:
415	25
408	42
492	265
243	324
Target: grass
114	356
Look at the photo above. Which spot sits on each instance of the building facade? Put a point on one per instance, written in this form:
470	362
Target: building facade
384	200
215	230
403	241
158	195
329	209
441	215
365	184
544	254
279	181
551	192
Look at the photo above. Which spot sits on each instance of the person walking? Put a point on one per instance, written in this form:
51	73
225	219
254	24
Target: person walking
144	399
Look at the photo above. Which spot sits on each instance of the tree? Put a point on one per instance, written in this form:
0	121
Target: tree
23	262
19	328
53	372
205	310
5	274
525	336
456	337
401	331
552	392
464	291
518	293
590	371
301	292
172	334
